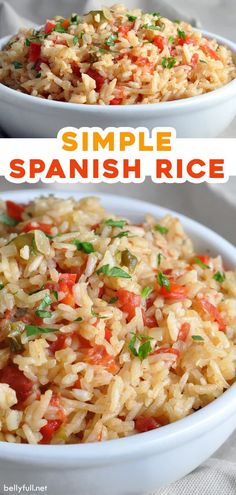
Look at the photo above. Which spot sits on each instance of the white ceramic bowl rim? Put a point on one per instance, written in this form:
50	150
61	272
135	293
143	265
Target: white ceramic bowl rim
165	438
160	108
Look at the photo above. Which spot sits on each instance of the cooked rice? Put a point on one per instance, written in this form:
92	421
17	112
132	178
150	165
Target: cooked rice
118	359
115	57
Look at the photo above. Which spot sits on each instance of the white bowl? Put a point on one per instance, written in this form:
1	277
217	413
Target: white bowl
143	462
205	116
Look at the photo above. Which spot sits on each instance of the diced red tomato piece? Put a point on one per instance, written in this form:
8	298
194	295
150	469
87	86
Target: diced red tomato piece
55	400
194	59
18	381
65	24
213	313
49	27
108	334
14	210
127	302
184	331
101	291
77	384
145	423
98	355
149	321
166	350
124	30
45	227
209	52
176	291
68	278
150	300
187	41
49	430
160	42
115	101
58	344
95	226
66	284
76	70
97	78
34	51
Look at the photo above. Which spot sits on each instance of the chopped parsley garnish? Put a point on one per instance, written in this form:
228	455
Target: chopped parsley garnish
55	293
111	40
4	218
181	34
168	62
143	349
156	14
103	50
45	302
163	281
79	319
131	18
41	309
197	337
38	77
202	61
74	19
154	27
17	65
171	40
125	233
86	247
219	277
82	34
115	223
43	314
146	292
1	286
161	229
199	262
27	42
113	300
60	29
33	330
115	271
75	40
159	256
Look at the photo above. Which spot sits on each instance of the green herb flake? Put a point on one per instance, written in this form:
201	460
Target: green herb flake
86	247
43	314
156	14
4	218
60	29
168	62
111	40
1	286
153	27
79	319
34	330
17	65
115	271
197	338
27	42
143	349
219	277
113	300
199	262
115	223
131	18
55	293
176	21
146	292
45	302
181	34
103	50
159	256
125	233
161	229
81	35
202	61
163	281
75	40
74	19
171	40
38	75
